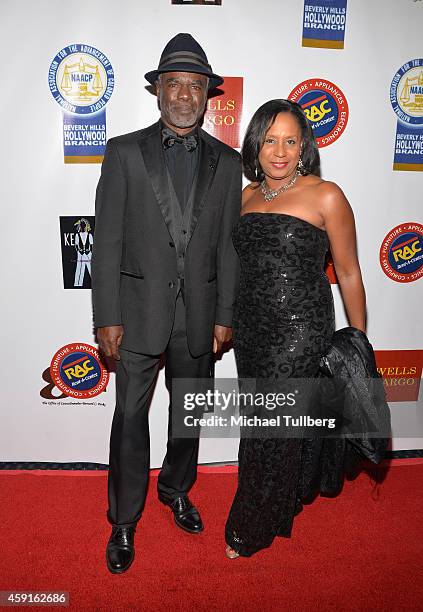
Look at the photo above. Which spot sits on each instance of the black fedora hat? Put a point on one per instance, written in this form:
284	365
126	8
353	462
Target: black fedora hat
184	54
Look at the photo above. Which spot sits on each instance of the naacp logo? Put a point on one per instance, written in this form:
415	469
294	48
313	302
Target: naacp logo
77	242
325	106
401	253
407	93
81	79
76	370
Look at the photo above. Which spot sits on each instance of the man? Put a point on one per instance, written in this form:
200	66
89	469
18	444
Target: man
164	276
83	246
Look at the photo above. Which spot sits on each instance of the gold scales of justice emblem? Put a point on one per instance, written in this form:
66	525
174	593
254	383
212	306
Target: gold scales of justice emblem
81	81
412	94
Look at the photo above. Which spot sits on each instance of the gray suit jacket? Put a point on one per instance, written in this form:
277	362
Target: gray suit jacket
134	268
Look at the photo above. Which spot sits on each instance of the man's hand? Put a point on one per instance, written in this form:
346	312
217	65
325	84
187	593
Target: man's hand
222	335
109	339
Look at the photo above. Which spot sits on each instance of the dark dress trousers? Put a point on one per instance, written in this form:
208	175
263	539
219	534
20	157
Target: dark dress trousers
168	272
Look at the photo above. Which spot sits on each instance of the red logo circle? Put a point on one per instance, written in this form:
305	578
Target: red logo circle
76	369
325	106
401	253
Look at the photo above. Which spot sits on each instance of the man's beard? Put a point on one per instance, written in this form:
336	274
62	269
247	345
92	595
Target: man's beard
181	120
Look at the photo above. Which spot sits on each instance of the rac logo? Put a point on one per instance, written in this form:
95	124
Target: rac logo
314	111
78	368
406	250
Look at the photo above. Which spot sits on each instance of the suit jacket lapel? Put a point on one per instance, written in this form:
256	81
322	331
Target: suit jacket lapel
206	170
152	152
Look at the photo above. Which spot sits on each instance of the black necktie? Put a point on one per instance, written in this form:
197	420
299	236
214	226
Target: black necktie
169	138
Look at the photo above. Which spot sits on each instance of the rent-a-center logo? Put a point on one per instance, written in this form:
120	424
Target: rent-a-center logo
76	369
401	253
325	106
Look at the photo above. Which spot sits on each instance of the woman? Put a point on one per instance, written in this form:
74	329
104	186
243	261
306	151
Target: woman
284	316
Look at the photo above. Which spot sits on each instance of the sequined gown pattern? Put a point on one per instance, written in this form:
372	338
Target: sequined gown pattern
283	323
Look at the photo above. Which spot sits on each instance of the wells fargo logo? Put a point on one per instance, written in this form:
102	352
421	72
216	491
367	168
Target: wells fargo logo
401	371
330	271
77	371
223	115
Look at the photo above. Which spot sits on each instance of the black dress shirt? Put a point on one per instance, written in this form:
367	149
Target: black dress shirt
182	165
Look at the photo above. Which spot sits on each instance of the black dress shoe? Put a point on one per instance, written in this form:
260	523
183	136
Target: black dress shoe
185	514
120	549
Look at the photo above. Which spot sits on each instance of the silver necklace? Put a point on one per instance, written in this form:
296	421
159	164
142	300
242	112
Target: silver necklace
270	194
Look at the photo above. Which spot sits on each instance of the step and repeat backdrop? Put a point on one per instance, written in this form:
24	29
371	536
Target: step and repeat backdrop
74	78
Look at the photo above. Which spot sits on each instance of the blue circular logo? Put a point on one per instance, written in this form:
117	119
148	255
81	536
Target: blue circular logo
401	253
406	93
317	103
405	253
325	107
76	369
81	79
80	370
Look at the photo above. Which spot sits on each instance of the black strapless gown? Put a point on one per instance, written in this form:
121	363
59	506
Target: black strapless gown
283	323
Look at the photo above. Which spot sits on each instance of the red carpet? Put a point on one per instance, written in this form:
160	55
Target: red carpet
356	552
